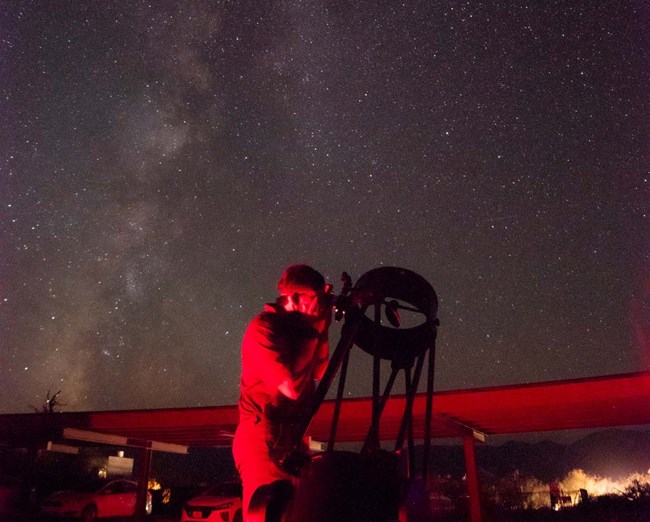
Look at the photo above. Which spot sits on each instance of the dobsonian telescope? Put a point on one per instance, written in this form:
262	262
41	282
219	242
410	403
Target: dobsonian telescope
373	485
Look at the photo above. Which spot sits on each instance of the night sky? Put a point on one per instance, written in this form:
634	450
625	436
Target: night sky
162	162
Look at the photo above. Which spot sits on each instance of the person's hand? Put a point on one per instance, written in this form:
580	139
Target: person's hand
287	389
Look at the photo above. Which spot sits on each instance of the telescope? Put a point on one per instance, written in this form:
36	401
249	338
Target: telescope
390	313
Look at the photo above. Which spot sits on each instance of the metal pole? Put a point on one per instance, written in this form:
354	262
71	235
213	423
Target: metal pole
472	479
409	436
143	483
376	399
408	408
339	400
384	399
428	414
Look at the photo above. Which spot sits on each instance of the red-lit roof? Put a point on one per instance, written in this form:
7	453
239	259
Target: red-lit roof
615	400
618	400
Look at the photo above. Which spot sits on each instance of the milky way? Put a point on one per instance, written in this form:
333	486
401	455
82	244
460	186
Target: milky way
162	162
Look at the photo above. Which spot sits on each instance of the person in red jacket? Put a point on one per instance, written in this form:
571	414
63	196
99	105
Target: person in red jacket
284	350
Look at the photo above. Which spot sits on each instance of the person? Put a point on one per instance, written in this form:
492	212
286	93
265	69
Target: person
284	350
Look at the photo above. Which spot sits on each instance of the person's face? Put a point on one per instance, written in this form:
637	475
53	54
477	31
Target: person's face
307	302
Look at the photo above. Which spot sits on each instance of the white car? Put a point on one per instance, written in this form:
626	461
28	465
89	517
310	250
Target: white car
93	500
220	503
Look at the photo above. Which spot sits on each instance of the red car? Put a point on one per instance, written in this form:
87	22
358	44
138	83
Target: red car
93	500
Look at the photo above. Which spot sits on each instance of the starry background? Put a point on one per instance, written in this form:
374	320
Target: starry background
162	162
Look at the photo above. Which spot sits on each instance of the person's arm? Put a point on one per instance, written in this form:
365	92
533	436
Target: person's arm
264	355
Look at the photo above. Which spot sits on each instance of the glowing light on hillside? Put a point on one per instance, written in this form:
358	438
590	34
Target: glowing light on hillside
598	486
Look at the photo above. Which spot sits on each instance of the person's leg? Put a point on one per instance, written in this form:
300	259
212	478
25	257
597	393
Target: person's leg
253	462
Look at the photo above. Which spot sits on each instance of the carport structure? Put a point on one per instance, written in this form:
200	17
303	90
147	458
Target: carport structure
470	415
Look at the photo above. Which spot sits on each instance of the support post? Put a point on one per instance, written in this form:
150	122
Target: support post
472	478
144	469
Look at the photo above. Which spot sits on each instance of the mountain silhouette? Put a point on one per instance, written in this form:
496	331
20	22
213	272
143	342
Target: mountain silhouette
613	454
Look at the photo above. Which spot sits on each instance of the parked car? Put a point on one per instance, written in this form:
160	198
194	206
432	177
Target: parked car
219	503
93	500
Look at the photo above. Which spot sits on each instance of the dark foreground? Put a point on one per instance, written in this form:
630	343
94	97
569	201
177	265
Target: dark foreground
600	510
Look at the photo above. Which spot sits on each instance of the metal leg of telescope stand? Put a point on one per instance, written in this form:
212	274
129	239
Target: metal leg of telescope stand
429	408
367	445
408	408
340	354
339	400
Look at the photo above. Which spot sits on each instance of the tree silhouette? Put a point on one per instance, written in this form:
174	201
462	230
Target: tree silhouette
49	404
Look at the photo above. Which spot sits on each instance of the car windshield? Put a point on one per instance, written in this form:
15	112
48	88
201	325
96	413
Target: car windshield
89	486
224	490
